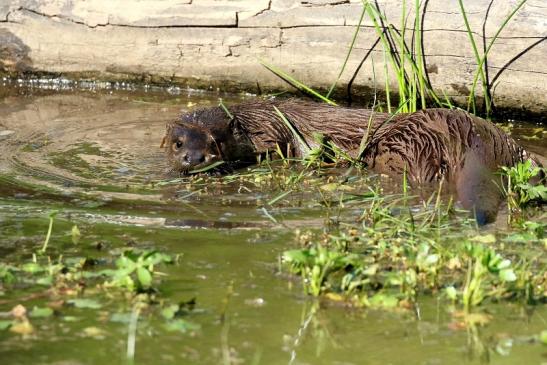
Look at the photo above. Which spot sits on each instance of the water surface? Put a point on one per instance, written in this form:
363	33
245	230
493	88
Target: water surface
94	156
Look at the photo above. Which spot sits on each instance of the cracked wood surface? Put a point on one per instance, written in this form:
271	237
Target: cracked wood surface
217	43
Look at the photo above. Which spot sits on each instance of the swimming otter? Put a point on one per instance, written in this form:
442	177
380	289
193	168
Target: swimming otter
430	145
207	135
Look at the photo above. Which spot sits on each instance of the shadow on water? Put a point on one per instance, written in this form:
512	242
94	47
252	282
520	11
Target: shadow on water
94	156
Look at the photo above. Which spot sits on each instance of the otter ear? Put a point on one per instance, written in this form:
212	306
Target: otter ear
163	140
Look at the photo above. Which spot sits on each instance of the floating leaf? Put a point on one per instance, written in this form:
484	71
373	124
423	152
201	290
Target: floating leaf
330	187
38	312
154	258
4	325
451	293
95	332
6	274
75	234
85	303
504	264
169	312
296	256
120	317
71	319
384	301
335	297
507	275
22	328
19	311
45	281
181	325
145	278
487	238
32	268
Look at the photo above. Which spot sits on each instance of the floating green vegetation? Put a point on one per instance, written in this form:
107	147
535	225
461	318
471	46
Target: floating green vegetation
72	159
391	259
400	250
520	190
90	284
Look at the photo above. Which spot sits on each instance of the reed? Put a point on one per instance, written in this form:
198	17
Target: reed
407	64
481	60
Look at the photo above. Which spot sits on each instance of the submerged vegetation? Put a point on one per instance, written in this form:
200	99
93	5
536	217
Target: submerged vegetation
81	281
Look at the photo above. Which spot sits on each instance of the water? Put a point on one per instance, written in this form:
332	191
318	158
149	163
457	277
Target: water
93	155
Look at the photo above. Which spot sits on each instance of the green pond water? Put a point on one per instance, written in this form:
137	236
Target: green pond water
93	155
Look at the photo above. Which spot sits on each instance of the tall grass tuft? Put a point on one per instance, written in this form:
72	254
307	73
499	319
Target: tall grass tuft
481	60
407	63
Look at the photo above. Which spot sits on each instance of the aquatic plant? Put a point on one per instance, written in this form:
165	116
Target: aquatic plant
51	216
315	264
520	189
396	255
135	270
483	261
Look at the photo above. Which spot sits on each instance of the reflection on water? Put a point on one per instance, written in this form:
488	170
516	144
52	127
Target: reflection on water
95	156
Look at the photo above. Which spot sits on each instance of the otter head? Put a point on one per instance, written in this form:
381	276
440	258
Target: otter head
190	147
202	138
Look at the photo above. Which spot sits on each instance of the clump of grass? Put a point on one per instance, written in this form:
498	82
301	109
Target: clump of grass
407	63
482	60
398	253
520	189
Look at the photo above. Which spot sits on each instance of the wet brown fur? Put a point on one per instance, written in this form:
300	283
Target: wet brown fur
435	143
430	145
257	125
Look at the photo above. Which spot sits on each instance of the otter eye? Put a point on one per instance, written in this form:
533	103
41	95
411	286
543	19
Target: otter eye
178	144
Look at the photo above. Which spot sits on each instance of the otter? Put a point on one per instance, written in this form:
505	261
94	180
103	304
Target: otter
248	129
430	145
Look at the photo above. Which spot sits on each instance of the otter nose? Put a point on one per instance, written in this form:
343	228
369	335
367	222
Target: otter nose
194	157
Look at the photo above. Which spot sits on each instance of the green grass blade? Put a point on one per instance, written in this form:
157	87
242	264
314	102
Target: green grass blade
349	52
279	197
386	77
419	53
207	168
295	134
480	71
299	85
221	104
485	55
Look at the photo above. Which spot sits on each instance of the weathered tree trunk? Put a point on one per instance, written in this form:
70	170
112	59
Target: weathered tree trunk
218	43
